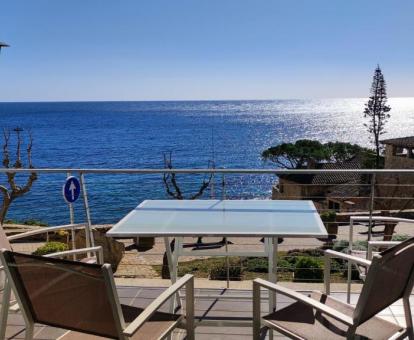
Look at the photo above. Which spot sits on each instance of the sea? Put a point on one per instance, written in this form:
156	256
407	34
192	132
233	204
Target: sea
230	134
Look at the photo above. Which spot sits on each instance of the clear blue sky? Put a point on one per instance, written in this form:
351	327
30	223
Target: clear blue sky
203	49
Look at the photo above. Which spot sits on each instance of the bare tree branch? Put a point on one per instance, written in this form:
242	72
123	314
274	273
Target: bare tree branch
18	163
29	149
170	181
6	156
15	190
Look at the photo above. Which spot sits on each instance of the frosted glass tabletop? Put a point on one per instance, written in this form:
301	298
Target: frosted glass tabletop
221	218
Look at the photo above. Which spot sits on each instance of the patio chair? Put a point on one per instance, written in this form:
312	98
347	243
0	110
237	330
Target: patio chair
82	298
320	316
367	254
5	244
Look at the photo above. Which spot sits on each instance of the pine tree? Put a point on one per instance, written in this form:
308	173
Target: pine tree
376	111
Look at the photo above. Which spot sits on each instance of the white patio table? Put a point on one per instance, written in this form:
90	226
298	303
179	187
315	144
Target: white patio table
176	219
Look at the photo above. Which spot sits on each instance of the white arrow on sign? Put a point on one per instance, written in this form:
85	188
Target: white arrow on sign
72	189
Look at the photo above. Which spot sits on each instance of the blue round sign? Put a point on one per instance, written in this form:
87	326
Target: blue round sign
71	189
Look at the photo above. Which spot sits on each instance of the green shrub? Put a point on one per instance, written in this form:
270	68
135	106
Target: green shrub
35	223
261	265
400	237
308	269
312	252
27	222
218	271
257	264
342	246
50	247
328	216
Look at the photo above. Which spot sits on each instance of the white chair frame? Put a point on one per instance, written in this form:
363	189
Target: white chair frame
6	307
124	332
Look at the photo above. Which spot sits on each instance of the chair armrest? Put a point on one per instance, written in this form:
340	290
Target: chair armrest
156	304
97	250
304	299
45	230
380	219
383	243
347	257
372	244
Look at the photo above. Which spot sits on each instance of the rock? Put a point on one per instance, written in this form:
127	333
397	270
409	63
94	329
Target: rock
144	243
112	249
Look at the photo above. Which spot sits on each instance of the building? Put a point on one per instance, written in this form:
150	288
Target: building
397	190
399	153
335	191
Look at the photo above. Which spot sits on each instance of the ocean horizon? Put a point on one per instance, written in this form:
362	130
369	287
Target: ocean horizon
136	134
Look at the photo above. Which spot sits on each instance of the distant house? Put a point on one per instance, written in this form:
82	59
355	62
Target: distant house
399	153
397	190
351	191
335	191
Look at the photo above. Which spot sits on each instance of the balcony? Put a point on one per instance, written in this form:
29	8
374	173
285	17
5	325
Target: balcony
139	274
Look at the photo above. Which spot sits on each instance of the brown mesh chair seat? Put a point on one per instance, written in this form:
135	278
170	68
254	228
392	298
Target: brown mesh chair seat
82	298
157	325
305	322
390	277
11	305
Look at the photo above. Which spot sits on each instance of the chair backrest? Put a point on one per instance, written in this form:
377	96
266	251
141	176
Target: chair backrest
64	294
4	242
389	278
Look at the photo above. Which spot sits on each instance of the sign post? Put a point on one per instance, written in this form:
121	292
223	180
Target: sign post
72	221
71	191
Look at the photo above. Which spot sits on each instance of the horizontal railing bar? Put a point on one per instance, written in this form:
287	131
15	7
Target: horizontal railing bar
45	230
218	253
219	171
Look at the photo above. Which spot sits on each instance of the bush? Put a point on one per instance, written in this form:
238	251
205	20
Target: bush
35	223
313	252
219	271
50	247
328	216
308	269
261	265
400	237
342	246
31	222
257	265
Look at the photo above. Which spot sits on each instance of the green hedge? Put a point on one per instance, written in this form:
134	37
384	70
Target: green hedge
219	271
308	269
51	247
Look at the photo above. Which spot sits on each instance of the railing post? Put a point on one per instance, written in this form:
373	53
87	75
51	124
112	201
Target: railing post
256	311
349	274
371	205
223	187
327	274
223	197
89	240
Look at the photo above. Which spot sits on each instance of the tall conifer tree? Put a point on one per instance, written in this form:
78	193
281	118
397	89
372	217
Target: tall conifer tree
376	111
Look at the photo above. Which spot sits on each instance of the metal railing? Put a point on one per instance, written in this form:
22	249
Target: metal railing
372	190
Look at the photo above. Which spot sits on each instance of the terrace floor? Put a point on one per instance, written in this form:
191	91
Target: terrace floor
205	308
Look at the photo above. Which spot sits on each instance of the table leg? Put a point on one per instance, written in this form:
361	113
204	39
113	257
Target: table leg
172	259
176	254
169	255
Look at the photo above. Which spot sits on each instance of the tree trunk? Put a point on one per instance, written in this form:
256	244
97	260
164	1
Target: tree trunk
377	152
4	209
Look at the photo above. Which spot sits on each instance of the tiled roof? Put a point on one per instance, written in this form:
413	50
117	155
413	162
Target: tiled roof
403	141
348	191
329	178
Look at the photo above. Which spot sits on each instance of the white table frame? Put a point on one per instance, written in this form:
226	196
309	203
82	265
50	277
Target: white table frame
270	246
